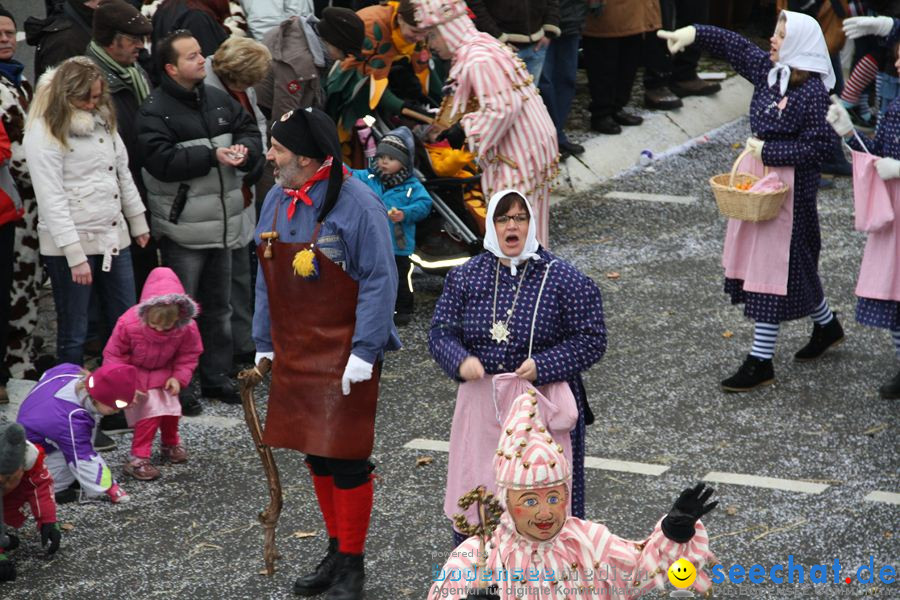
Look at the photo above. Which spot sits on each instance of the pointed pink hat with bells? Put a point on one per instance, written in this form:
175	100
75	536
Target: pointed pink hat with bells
528	457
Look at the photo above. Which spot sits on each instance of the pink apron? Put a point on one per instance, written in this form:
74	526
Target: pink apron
758	253
481	407
157	403
877	206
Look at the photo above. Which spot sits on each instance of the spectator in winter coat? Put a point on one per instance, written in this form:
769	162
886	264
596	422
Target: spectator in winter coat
88	204
24	479
60	36
263	15
118	38
205	19
390	176
197	142
527	26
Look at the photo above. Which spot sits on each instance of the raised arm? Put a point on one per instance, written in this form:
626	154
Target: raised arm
749	60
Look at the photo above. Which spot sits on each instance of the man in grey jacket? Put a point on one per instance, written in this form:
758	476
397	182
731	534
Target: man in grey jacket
194	139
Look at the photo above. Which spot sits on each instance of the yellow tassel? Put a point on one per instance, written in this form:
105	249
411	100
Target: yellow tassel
305	264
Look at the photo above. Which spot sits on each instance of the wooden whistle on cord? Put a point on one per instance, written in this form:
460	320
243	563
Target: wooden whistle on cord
269	236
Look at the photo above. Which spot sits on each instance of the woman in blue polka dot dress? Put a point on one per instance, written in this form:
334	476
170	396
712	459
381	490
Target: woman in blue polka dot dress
878	287
787	118
519	309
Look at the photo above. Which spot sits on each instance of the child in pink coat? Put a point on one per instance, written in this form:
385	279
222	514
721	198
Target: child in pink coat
160	338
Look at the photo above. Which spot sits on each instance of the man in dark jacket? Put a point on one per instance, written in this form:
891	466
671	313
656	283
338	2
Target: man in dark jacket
527	26
62	35
192	140
118	38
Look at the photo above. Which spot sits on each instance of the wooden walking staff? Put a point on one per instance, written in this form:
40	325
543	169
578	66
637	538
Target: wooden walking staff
249	379
489	511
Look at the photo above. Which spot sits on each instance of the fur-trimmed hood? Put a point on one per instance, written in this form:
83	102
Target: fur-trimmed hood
164	287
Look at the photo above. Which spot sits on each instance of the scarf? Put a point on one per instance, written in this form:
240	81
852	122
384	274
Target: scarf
803	48
130	75
492	244
389	181
302	193
12	70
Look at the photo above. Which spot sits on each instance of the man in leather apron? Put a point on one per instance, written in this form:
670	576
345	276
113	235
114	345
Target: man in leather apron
324	315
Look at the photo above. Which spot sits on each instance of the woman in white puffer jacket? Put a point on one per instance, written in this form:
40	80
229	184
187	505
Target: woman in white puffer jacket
88	205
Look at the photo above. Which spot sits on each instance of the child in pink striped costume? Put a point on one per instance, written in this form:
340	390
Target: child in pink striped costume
537	551
159	337
510	132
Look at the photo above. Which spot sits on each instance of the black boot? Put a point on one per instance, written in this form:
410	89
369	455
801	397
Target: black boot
350	578
190	400
823	337
321	579
755	372
891	389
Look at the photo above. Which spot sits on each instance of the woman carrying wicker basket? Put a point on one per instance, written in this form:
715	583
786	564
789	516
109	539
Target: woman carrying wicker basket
876	183
772	266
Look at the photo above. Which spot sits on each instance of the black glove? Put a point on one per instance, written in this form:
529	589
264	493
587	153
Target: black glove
678	525
12	544
488	593
7	568
50	532
455	136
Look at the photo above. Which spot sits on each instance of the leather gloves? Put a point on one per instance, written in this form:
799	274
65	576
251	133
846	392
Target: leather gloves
455	136
679	39
678	525
356	370
50	532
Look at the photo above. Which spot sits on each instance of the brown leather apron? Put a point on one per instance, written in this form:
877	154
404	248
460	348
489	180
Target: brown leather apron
312	325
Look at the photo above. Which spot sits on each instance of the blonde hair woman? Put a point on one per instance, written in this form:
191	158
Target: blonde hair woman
88	205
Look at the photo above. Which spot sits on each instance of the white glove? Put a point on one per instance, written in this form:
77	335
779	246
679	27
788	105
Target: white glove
261	355
356	370
888	168
755	147
679	39
838	117
857	27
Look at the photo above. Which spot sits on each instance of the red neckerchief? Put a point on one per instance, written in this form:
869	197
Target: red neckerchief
301	194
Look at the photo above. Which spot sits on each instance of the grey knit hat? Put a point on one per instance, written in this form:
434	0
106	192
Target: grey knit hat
391	145
12	448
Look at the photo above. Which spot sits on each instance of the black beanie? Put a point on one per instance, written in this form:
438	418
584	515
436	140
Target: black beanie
310	132
9	15
343	29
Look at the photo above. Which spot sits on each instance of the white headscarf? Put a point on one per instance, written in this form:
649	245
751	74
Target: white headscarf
803	48
492	244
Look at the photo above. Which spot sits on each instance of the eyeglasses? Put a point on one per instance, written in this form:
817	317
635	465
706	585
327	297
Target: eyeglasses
520	218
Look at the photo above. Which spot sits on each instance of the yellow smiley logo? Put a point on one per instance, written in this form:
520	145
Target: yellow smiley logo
682	573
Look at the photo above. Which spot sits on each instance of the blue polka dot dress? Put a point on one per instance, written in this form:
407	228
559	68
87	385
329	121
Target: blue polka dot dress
569	332
871	311
797	135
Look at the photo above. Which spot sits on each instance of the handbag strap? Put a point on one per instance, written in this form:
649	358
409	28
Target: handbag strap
537	305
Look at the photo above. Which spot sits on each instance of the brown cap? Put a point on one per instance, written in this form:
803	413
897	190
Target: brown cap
343	29
117	16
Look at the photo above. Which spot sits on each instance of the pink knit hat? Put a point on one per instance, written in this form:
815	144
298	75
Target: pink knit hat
113	385
528	457
434	12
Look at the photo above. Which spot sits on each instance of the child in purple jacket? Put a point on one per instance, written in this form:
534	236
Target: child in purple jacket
61	413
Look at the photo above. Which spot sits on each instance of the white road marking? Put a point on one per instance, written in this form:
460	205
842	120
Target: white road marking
788	485
879	496
615	195
590	462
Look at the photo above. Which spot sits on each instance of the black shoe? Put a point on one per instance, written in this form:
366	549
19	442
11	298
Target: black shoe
661	99
606	125
755	372
823	337
116	423
627	119
70	494
570	148
891	389
322	577
226	392
190	400
402	319
349	579
103	442
694	87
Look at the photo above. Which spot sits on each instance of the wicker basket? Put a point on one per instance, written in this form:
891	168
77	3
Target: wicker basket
744	204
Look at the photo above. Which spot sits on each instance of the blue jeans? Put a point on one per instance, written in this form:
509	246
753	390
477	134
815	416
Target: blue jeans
206	277
115	291
533	59
557	81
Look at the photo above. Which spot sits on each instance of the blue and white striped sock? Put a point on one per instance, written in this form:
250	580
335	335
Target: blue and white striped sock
895	335
822	314
764	335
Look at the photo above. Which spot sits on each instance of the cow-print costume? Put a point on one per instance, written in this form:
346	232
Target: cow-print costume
26	277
